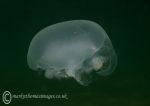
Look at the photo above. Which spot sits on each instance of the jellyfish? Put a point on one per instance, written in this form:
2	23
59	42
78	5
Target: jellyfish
72	49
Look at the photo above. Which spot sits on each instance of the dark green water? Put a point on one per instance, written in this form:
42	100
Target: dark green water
127	24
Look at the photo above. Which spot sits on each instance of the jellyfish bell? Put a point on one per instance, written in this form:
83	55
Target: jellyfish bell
72	49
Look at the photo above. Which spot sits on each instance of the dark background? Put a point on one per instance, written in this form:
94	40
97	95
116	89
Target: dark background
128	26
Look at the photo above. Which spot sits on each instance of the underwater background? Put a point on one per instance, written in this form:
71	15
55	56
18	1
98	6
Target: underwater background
127	23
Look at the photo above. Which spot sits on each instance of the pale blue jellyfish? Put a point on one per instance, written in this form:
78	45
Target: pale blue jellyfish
74	49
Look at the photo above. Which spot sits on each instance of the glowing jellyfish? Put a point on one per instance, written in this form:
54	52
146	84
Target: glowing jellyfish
74	49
